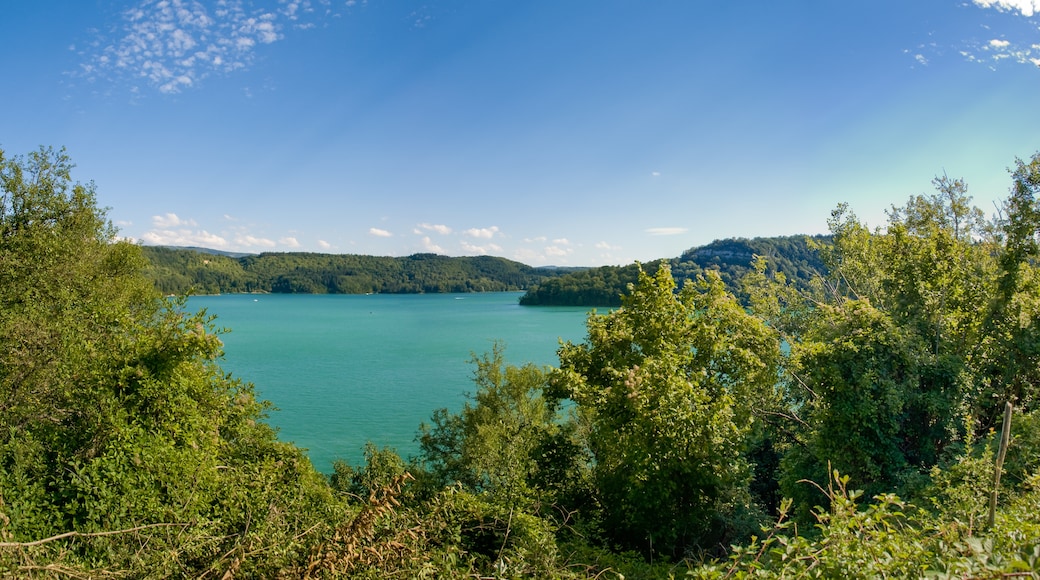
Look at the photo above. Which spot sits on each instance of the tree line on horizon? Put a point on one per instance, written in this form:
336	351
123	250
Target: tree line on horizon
795	257
847	427
183	270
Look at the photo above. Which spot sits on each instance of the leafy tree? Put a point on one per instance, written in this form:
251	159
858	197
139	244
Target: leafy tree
115	419
509	441
921	330
667	388
1006	359
863	391
872	374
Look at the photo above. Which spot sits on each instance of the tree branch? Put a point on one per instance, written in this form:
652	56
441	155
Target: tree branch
86	535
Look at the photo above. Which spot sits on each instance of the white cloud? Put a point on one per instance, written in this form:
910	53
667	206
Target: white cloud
170	220
655	174
484	233
173	44
666	231
184	238
379	233
998	50
257	29
557	251
1008	46
481	250
473	249
606	246
561	241
536	240
1026	7
439	228
324	245
248	240
429	246
289	241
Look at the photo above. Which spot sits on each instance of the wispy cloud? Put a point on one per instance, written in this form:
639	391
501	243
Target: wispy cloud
1008	41
482	250
169	229
483	233
174	44
184	238
666	231
379	233
557	251
324	245
1026	7
429	246
250	241
439	228
170	220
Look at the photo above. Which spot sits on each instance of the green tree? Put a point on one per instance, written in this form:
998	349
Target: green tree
509	441
667	388
863	391
921	329
506	466
114	415
1006	359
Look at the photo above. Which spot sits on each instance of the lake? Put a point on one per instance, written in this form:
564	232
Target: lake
346	369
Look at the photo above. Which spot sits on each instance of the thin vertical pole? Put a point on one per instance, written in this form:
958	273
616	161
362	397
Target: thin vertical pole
1005	438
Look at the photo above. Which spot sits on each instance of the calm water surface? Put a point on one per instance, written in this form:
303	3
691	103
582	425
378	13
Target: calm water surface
346	369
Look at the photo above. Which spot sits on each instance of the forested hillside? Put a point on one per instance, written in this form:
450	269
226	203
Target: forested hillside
183	270
178	271
880	422
795	256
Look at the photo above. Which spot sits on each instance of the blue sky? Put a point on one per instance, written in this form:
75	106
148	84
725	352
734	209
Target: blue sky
567	132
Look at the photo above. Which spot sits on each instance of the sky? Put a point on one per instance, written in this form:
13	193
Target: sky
563	132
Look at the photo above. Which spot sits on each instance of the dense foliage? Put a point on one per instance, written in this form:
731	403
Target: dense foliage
179	271
795	257
694	432
182	270
116	424
667	388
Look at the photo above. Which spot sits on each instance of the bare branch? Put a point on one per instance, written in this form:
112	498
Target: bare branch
87	535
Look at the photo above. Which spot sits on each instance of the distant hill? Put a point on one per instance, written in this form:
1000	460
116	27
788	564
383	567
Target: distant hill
179	270
209	251
731	258
183	270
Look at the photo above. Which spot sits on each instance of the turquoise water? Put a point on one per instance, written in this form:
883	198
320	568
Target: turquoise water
346	369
